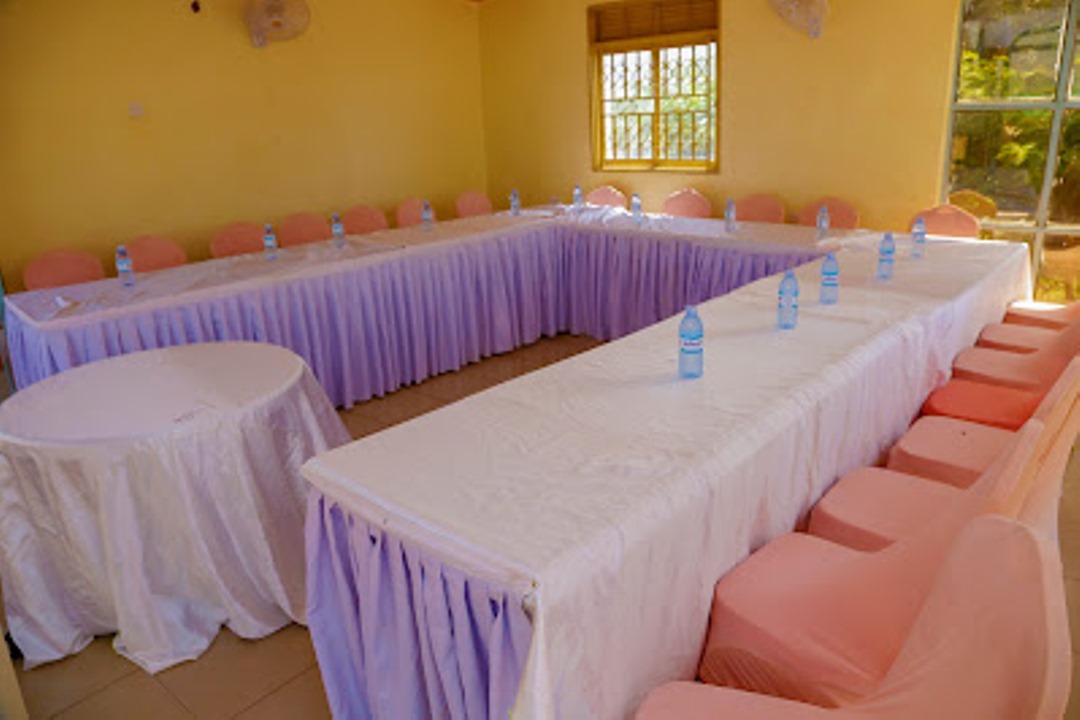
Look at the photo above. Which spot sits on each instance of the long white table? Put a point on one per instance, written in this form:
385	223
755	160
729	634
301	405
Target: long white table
549	546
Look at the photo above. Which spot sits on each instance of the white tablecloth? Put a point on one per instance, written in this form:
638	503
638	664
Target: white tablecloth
611	494
158	494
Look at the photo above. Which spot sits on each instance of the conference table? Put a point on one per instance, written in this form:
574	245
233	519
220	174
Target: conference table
157	495
547	548
395	307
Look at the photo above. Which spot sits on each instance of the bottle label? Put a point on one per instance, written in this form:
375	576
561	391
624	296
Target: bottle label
691	345
123	265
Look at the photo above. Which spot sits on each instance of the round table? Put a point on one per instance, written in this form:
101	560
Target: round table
158	495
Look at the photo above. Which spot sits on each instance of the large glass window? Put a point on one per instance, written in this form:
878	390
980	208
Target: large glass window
1014	159
655	66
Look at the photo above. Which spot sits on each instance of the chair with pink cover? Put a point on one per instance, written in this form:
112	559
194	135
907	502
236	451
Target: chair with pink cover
411	212
364	219
948	220
606	195
1027	328
63	266
1033	372
303	228
842	214
1055	317
239	238
687	202
990	641
957	451
153	252
810	620
762	207
472	204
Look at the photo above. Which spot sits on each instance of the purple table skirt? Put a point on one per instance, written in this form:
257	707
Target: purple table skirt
406	316
398	634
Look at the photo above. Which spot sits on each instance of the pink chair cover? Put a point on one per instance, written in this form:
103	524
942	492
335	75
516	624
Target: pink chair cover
948	220
472	203
1055	318
237	239
63	266
364	219
410	212
687	202
606	195
991	641
842	214
303	228
1011	337
1033	372
810	620
151	252
762	207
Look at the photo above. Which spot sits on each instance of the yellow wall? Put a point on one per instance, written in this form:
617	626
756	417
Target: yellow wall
861	112
379	100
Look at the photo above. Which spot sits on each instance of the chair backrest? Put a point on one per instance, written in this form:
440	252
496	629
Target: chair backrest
687	202
239	238
974	202
63	266
364	219
303	228
152	252
606	195
948	220
472	203
410	212
761	207
842	214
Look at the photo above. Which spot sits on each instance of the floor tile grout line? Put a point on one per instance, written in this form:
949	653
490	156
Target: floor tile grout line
268	693
103	688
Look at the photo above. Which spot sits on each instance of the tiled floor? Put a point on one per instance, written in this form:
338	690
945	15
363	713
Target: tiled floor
277	677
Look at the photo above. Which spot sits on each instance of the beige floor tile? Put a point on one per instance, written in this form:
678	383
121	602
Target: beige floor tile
397	407
138	695
299	699
1069	536
48	689
453	386
234	674
1073	711
1072	596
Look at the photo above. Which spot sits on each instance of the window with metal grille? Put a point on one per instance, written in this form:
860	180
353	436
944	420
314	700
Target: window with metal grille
655	92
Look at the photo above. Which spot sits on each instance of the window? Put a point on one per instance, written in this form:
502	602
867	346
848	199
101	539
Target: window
655	92
1015	150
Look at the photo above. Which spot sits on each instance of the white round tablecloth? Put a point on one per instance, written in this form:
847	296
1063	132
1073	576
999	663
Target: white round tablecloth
158	495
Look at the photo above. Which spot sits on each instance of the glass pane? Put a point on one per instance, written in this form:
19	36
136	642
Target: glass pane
1002	156
1010	48
1059	276
1065	193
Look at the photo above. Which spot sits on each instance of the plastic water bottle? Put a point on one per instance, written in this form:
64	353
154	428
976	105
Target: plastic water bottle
515	202
635	208
579	197
730	222
822	222
124	270
830	280
886	256
427	217
269	242
787	314
918	238
691	344
337	228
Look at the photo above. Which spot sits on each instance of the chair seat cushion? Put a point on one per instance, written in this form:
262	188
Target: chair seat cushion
947	449
994	405
1053	318
1016	338
871	508
1001	368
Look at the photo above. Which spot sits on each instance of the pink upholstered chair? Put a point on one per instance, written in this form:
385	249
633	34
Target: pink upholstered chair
410	212
364	219
63	266
1034	372
606	195
948	220
237	239
1027	329
687	202
761	208
991	641
303	228
472	203
956	451
842	214
809	620
152	252
1055	318
995	405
